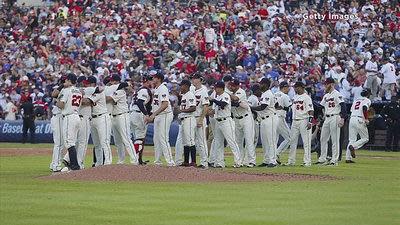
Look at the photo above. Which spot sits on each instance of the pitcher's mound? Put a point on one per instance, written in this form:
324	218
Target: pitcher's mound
174	174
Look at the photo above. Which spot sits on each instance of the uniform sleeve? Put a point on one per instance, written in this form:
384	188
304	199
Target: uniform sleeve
205	99
94	98
118	95
286	101
164	95
265	100
64	96
143	95
191	101
309	104
339	98
368	103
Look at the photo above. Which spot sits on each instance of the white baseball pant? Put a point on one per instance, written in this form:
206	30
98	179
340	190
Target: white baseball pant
225	129
118	142
201	143
122	136
138	126
268	129
162	124
284	131
330	129
57	128
179	147
212	155
256	132
299	127
101	131
245	132
71	125
83	139
357	127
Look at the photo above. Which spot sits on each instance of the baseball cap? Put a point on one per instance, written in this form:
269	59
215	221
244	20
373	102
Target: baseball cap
185	82
147	78
115	77
227	78
283	84
92	80
265	80
235	82
72	77
255	88
158	75
219	84
106	80
329	80
298	84
81	79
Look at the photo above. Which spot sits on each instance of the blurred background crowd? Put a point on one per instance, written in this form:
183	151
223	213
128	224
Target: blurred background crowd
247	39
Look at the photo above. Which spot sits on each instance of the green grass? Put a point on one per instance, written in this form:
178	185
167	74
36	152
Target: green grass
365	193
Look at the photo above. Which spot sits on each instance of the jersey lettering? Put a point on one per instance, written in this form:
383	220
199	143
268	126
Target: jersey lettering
76	100
331	104
357	105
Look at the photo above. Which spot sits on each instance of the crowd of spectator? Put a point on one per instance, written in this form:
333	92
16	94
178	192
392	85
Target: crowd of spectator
247	39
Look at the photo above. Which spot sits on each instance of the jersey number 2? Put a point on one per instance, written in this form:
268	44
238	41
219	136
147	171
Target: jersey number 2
76	100
357	105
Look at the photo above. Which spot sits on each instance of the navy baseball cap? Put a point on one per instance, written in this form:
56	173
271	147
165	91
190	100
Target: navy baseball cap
219	84
227	78
72	77
255	88
329	80
106	80
146	78
283	84
298	84
235	82
92	80
159	76
265	80
81	79
115	77
185	82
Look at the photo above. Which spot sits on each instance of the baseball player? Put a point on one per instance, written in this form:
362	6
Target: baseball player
202	103
57	128
302	111
358	125
244	124
140	107
162	117
188	123
334	111
224	127
227	79
121	124
85	112
253	102
269	123
282	107
69	102
112	84
99	122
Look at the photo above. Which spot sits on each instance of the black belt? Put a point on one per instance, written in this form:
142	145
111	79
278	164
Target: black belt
138	111
222	119
68	115
81	116
358	117
118	114
331	115
263	118
95	116
241	117
185	118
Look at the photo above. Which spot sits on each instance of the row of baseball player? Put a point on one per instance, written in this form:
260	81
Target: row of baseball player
89	109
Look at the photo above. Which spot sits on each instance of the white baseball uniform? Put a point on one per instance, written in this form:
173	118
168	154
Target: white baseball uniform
357	125
283	128
253	102
100	128
212	153
162	124
302	105
138	126
188	121
120	121
244	128
57	128
268	127
330	128
224	128
202	100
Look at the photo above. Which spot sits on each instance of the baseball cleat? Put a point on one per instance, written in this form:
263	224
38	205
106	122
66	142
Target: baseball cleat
350	161
202	167
236	166
288	164
332	164
192	164
65	169
278	160
319	163
251	165
65	162
263	165
271	165
352	151
211	164
306	164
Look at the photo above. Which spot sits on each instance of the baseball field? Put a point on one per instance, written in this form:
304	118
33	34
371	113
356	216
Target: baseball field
367	192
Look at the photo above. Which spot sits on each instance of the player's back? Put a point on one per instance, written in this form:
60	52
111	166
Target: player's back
357	106
72	97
